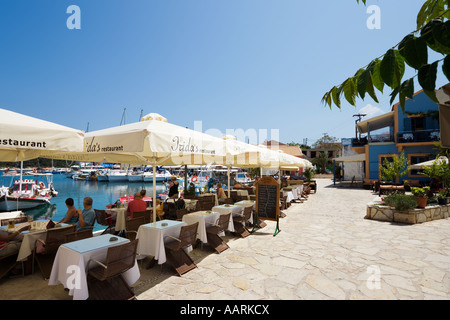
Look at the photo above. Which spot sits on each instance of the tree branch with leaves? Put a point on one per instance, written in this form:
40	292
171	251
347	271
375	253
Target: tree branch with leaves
433	32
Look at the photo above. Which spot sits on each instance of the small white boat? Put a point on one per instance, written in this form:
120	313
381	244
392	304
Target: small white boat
135	177
27	193
117	176
160	177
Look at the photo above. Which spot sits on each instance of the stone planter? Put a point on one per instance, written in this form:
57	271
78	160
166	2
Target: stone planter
389	214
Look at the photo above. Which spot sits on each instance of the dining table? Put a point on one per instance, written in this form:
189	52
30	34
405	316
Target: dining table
120	215
204	219
38	230
153	235
229	208
71	263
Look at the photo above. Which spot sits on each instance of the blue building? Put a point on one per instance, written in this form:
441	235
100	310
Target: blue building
414	131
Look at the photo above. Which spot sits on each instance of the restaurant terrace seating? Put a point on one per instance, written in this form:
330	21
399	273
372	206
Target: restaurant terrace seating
240	221
181	213
53	239
176	256
8	263
78	235
104	219
132	226
147	214
213	231
105	281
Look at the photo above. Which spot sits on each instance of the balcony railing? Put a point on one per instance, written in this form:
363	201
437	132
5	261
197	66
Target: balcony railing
418	136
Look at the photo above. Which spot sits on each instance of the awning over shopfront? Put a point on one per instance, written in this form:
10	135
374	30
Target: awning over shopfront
383	121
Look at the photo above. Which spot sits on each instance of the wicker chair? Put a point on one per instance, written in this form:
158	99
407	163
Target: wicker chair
181	213
105	281
132	226
212	233
104	219
175	254
53	239
78	235
206	203
240	221
147	214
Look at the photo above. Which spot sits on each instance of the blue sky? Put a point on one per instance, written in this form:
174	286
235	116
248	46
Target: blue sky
235	64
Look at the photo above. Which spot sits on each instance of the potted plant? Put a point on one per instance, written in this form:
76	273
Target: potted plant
421	195
444	196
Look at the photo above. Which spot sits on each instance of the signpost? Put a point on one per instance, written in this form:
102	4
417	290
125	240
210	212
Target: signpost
268	201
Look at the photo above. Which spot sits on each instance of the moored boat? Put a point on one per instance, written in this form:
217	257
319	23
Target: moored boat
27	193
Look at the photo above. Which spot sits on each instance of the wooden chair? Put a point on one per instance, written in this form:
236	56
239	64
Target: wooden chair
147	214
104	219
176	256
53	239
132	226
105	281
181	213
78	235
212	233
240	221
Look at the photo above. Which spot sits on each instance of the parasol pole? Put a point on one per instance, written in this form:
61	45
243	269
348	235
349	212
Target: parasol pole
154	191
228	172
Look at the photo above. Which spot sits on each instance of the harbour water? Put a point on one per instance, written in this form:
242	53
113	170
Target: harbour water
102	193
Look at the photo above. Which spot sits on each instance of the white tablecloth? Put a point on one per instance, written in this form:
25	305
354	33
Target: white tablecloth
204	219
120	215
224	209
289	195
77	254
152	236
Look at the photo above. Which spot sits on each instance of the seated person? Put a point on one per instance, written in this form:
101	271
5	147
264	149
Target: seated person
136	205
10	243
86	217
237	185
159	207
71	215
221	193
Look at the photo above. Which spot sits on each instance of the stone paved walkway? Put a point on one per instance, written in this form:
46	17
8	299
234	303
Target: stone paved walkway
325	250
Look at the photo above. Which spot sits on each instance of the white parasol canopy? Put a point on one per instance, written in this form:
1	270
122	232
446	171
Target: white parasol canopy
419	166
23	137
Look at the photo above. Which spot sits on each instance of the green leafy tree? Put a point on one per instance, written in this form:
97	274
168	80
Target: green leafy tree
393	171
433	32
321	161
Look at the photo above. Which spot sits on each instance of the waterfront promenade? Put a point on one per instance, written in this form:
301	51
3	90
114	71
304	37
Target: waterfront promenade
325	250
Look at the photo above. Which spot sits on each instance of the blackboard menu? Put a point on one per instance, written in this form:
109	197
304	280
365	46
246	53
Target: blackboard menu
268	199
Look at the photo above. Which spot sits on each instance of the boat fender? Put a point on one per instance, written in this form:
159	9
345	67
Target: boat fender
194	179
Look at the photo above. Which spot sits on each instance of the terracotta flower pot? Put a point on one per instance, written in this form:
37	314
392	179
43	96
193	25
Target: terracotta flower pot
421	202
